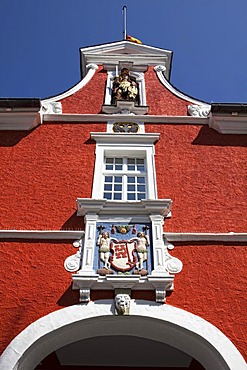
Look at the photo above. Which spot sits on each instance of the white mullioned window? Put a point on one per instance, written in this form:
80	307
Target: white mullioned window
124	179
124	167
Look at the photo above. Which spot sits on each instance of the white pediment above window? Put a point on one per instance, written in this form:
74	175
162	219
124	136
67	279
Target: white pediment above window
122	52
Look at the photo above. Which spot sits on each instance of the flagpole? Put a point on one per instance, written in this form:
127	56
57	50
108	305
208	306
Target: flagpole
124	22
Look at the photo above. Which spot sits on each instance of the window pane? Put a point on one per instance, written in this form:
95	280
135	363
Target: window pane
107	195
109	167
118	179
131	196
131	168
140	161
141	196
109	160
140	168
117	196
141	188
131	187
108	178
131	179
141	180
131	160
108	187
118	187
119	160
118	167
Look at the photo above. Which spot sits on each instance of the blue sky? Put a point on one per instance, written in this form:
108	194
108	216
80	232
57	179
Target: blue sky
40	41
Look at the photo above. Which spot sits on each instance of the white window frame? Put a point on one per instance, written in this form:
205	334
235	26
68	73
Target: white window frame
127	145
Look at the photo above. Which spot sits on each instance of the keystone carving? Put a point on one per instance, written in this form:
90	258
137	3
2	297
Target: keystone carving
122	304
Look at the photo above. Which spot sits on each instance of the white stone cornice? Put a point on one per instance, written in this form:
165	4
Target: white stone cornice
160	73
210	237
91	69
88	118
73	235
228	124
125	138
103	207
19	120
41	234
140	56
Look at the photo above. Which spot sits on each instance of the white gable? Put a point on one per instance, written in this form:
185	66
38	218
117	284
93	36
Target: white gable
140	56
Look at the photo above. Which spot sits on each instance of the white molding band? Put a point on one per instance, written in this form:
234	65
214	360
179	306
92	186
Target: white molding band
203	237
41	234
162	323
88	118
172	237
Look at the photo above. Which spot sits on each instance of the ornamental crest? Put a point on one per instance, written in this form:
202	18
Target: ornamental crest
123	255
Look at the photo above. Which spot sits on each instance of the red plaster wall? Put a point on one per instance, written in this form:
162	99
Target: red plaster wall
160	100
212	285
85	101
42	174
204	173
44	171
35	283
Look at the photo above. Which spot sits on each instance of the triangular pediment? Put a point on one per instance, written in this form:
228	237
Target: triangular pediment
138	54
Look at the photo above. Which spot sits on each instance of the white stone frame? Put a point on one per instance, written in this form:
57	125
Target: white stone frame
137	145
162	323
139	79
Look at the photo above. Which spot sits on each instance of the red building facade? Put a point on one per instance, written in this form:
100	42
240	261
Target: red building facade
123	222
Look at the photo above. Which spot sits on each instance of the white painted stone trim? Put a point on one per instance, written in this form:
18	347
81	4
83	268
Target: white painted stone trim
160	70
139	78
88	118
19	120
73	235
163	323
41	234
229	124
211	237
140	56
91	71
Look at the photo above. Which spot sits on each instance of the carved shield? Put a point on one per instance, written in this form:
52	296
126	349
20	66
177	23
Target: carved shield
123	255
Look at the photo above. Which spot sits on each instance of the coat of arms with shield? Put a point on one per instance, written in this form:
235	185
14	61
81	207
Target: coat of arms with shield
123	256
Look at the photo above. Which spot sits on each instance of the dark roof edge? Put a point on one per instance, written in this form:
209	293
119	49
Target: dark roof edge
15	103
229	107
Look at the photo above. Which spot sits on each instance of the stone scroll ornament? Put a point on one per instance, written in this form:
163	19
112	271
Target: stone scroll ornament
172	264
72	263
201	111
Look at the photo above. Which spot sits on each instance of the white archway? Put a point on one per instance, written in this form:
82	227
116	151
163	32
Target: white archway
162	323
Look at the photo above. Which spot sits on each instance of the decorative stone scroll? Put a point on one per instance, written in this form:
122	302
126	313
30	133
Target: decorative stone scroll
72	263
202	111
51	108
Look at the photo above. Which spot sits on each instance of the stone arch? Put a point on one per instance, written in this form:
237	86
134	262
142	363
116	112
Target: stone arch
162	323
